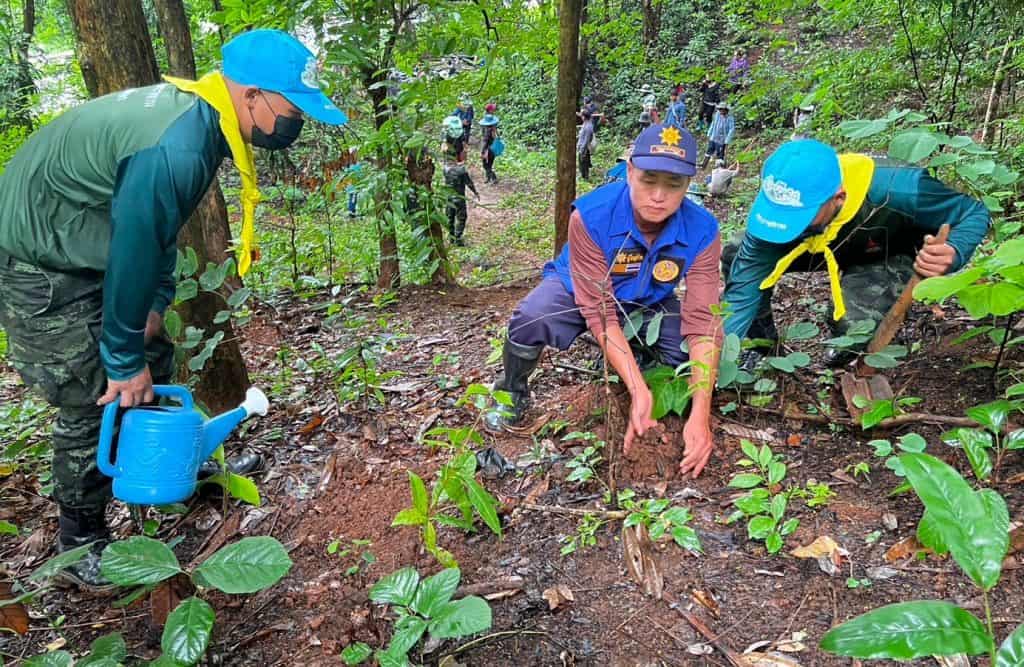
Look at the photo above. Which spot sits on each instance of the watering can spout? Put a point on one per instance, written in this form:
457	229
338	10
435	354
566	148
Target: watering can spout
217	430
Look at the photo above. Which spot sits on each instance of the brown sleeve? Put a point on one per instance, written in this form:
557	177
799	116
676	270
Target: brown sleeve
591	281
703	291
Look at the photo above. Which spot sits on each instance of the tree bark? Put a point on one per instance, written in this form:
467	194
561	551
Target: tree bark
997	84
420	169
570	12
223	382
114	48
22	113
390	272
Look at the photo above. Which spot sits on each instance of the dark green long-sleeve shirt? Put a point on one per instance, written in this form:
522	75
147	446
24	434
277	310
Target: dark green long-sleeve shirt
903	204
106	187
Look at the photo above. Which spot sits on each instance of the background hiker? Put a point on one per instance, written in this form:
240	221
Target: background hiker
489	124
649	103
710	96
868	221
464	112
456	177
93	204
676	114
720	134
630	245
585	145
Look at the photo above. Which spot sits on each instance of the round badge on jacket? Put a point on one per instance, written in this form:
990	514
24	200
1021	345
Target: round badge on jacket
666	271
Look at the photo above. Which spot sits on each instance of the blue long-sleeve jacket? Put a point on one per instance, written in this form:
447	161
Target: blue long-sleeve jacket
722	128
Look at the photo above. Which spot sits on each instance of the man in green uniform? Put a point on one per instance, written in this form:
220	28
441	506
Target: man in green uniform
871	219
92	205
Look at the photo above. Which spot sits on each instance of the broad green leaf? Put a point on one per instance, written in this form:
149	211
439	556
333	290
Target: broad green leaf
1011	652
238	297
1015	440
991	415
977	454
912	442
188	629
929	535
396	588
991	299
764	456
881	360
435	592
781	363
461	618
731	347
687	538
355	654
238	486
408	631
909	630
940	288
212	278
883	448
59	562
137	561
798	359
51	659
778	506
485	505
776	472
247	566
801	331
110	648
760	527
964	521
388	659
773	543
420	499
172	322
634	321
728	371
749	448
913	146
862	129
409	517
222	316
745	480
789	526
943	159
654	329
677	515
881	409
186	290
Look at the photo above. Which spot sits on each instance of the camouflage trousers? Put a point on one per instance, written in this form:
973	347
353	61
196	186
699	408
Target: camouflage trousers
869	291
53	322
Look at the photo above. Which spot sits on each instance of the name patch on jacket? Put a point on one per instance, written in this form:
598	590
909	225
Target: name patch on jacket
627	262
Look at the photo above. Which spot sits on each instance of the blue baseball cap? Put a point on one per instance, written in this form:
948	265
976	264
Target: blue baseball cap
277	62
796	180
665	148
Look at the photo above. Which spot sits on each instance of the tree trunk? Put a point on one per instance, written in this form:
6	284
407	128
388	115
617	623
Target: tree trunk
223	382
997	84
651	10
390	275
420	168
22	111
568	91
584	49
114	48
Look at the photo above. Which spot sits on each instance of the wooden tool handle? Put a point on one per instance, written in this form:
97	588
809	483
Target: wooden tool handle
892	321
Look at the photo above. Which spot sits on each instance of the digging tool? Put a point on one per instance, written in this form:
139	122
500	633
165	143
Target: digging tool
866	383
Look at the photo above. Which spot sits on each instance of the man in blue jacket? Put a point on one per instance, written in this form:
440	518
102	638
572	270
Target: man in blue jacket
869	222
93	203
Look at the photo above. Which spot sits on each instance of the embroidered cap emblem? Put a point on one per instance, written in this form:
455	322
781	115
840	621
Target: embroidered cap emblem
779	192
670	135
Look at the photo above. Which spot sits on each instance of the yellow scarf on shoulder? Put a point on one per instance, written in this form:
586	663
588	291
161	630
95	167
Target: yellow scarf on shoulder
857	172
214	91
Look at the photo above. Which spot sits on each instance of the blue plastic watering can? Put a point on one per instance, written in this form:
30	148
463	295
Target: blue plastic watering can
159	448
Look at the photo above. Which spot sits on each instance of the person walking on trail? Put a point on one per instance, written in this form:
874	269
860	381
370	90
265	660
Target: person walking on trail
802	121
590	106
710	96
738	69
721	178
456	177
631	245
465	113
720	134
94	201
489	124
453	146
870	222
676	115
585	144
649	103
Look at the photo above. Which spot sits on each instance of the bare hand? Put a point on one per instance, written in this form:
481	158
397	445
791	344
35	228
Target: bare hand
136	390
639	416
154	324
934	258
698	445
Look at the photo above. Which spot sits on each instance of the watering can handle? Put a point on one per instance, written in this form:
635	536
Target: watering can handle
106	439
174	391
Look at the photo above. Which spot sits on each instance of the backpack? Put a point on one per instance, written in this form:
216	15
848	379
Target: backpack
497	147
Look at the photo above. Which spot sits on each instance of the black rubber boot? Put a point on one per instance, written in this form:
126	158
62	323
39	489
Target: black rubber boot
240	464
519	362
80	526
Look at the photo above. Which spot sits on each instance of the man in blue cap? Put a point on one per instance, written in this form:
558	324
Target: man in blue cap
93	203
869	222
633	245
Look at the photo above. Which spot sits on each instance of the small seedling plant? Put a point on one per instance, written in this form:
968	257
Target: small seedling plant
660	519
980	443
421	607
585	535
973	527
880	409
456	498
764	506
910	443
250	565
352	550
583	466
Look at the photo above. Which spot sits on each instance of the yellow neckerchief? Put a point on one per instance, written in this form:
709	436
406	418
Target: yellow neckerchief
212	89
857	172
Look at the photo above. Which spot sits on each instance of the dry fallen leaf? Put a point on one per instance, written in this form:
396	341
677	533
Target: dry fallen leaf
766	435
825	550
890	521
14	615
767	660
706	600
56	644
794	440
905	548
312	425
558	596
958	660
638	552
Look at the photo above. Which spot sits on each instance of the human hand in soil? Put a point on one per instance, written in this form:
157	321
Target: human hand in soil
934	258
698	445
639	416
